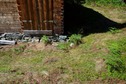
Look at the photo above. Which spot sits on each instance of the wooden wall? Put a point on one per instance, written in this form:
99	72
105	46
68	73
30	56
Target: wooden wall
9	17
41	16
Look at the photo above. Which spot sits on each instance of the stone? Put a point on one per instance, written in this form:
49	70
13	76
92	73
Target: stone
35	39
72	44
7	42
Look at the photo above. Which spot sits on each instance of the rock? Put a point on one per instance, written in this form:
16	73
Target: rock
3	38
28	39
62	38
72	45
7	42
35	39
12	36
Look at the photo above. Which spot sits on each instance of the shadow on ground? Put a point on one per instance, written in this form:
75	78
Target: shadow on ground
79	19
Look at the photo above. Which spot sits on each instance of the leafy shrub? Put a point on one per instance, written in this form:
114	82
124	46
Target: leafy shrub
45	40
114	30
75	38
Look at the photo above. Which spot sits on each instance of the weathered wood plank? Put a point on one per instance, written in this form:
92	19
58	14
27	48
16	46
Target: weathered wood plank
43	32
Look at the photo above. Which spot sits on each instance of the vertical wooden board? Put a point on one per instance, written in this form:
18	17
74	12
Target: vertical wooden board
29	12
20	7
33	23
24	13
45	13
19	4
51	15
38	14
34	15
42	14
27	8
58	17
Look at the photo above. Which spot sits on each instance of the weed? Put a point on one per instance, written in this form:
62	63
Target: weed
76	39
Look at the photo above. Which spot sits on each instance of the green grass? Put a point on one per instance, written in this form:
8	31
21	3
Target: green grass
114	30
77	65
85	63
115	61
112	3
45	40
115	12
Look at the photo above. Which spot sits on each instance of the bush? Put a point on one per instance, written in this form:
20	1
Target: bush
45	40
75	38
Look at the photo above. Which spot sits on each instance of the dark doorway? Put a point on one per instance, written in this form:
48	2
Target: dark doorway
80	19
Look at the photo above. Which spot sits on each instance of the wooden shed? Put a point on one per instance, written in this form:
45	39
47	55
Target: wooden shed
32	16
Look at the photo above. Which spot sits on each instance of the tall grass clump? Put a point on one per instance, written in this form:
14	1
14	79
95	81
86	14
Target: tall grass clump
76	39
45	40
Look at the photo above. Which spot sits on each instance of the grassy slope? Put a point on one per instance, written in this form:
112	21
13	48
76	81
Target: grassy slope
114	13
78	65
83	64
